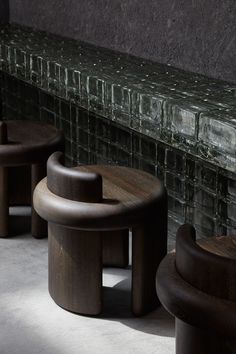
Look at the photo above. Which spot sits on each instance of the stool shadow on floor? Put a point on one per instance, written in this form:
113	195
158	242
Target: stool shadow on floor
116	307
19	221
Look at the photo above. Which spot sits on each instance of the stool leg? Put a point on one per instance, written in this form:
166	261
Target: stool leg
195	340
4	203
115	248
75	269
38	225
149	246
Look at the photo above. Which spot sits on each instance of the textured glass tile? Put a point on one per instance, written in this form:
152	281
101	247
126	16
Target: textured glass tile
129	90
177	207
206	176
175	184
205	225
217	135
206	201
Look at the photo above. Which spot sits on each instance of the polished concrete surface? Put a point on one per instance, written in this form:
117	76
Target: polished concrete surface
31	323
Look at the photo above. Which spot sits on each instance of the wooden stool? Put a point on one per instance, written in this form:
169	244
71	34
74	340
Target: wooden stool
81	205
197	284
24	143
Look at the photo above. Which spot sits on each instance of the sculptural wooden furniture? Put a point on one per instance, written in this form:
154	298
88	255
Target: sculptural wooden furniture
24	143
197	284
81	205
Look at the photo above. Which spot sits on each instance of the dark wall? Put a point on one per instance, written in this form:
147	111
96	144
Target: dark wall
196	35
4	11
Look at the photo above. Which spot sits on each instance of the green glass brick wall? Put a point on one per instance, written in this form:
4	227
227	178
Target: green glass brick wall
199	192
191	112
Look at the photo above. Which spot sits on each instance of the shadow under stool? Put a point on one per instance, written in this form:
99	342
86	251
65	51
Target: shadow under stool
197	284
83	204
24	149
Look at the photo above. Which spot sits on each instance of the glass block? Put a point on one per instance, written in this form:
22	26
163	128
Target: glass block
96	91
227	185
47	101
73	89
53	77
181	119
147	166
207	176
20	57
83	138
121	104
205	201
103	129
121	137
150	115
217	136
148	150
175	184
47	116
119	156
66	128
83	155
227	211
204	224
190	168
175	161
176	206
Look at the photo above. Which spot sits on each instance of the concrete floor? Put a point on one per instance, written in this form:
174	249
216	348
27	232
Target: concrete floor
31	323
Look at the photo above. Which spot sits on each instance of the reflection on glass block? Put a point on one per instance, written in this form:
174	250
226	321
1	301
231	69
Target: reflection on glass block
177	125
175	184
177	207
121	104
205	201
176	161
206	176
205	225
217	135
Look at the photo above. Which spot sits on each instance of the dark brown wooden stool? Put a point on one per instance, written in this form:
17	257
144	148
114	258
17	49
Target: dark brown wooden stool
197	284
82	205
24	143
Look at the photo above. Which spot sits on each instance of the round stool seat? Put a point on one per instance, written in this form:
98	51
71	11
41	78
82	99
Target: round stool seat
89	209
24	149
128	197
29	143
197	285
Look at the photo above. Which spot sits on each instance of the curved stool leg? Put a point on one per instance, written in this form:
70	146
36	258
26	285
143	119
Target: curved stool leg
75	269
38	225
4	202
115	248
194	340
149	246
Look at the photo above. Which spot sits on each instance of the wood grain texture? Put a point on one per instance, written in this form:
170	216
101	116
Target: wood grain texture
124	202
23	144
71	183
115	248
149	246
195	340
29	143
75	269
215	274
198	287
131	198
